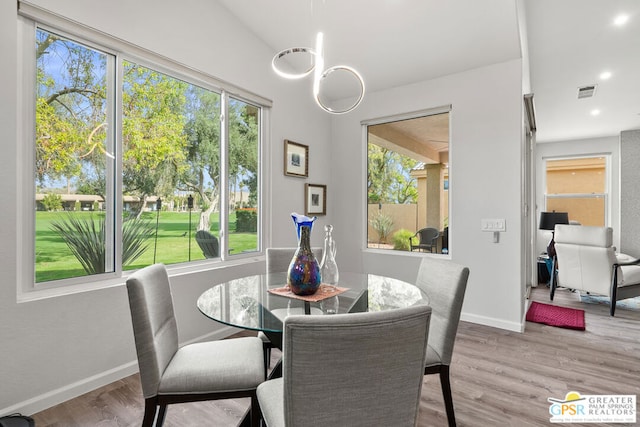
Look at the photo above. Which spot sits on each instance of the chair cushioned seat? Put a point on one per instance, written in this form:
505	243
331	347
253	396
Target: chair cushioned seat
630	275
271	397
432	358
622	258
214	366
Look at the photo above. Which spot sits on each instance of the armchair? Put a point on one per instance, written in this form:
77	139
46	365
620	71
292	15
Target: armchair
588	262
208	244
427	239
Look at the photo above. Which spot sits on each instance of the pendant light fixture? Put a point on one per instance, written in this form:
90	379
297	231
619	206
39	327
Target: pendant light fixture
313	61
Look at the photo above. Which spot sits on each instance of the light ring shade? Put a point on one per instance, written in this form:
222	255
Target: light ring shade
294	50
325	74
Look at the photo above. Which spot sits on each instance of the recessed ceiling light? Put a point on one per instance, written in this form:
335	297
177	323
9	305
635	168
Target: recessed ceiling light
605	75
595	112
620	20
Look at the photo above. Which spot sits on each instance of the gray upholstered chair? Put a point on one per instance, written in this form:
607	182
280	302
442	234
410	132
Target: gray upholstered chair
278	260
445	283
169	374
360	369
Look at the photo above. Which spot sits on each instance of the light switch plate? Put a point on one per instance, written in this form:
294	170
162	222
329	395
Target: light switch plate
494	224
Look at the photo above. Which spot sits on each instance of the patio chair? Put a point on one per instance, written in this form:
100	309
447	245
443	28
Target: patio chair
208	244
427	240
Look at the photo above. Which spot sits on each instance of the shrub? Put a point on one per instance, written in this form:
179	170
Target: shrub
52	202
85	237
401	239
246	220
382	224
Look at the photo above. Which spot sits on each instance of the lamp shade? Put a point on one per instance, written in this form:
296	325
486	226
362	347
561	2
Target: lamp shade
548	220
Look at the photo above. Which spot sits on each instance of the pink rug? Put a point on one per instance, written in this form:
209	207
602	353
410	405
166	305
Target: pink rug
552	315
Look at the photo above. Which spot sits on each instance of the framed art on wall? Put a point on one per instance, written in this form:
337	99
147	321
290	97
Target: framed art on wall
296	159
315	201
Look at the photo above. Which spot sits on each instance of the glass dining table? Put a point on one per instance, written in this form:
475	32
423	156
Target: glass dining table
249	302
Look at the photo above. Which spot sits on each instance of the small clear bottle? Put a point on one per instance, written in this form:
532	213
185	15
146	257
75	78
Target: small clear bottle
328	266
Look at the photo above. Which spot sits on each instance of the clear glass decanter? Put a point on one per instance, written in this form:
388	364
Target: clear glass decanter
328	266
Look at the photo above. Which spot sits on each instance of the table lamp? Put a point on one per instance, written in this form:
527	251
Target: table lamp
548	221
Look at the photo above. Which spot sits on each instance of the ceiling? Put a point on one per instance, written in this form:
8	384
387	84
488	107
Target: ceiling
398	42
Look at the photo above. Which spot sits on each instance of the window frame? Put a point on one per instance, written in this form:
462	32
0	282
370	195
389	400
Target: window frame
30	18
364	124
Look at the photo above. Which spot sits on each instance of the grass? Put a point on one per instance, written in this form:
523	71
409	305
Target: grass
55	261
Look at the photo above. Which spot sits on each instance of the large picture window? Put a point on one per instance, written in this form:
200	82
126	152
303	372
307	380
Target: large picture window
578	186
135	164
408	183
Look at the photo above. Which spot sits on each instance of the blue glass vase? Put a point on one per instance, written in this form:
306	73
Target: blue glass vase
303	276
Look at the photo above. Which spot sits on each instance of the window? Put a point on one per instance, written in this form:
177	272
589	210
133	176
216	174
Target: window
578	186
408	180
132	160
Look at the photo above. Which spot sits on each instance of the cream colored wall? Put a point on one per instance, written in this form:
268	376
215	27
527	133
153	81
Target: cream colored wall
404	217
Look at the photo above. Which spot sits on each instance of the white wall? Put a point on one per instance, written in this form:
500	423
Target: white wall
60	347
486	123
580	147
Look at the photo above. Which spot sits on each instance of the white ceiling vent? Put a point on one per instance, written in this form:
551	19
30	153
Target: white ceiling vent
586	91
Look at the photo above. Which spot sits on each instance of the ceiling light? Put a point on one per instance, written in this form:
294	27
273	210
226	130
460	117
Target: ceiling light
595	112
319	73
289	58
605	75
620	20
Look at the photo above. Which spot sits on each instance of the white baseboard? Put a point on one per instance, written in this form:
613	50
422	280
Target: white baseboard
78	388
69	391
493	322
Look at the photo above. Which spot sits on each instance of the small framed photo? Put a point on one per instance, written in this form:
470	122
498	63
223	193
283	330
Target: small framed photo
296	159
315	202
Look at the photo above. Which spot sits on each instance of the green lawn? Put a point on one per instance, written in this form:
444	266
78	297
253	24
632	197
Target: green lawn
54	260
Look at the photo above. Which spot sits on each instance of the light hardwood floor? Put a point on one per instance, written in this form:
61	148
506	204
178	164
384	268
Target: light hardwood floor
499	378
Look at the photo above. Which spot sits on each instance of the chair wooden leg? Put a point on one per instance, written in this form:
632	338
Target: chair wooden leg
266	348
553	280
162	411
256	413
446	394
150	409
614	290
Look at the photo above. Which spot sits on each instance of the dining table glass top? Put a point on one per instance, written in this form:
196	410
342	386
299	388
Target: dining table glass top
247	303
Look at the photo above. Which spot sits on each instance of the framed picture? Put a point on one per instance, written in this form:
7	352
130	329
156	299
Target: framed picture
296	159
315	201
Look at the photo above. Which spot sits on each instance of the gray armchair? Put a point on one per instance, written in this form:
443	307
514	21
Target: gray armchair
360	369
445	283
226	369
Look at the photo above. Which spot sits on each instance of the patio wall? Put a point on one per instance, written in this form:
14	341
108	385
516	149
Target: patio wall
404	216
